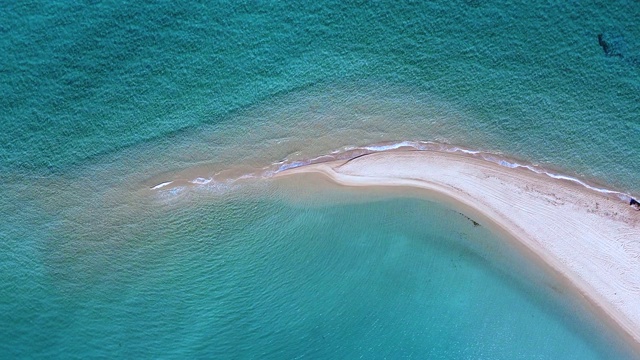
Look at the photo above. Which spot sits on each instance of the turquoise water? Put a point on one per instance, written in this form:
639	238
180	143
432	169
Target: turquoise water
256	274
102	100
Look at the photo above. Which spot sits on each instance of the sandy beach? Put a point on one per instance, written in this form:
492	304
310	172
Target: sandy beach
591	240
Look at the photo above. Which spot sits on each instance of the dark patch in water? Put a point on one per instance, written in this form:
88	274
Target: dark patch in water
475	223
613	44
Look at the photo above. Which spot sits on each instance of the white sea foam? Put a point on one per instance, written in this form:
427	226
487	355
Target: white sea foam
472	152
201	181
537	170
291	165
392	146
350	152
433	146
246	176
161	185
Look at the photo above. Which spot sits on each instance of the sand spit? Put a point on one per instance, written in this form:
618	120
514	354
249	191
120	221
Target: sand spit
591	239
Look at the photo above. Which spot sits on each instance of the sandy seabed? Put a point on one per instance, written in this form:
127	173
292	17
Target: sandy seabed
591	240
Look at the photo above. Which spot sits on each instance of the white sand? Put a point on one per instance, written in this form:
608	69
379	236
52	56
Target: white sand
592	240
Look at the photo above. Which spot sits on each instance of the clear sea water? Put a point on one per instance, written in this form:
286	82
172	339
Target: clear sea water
101	100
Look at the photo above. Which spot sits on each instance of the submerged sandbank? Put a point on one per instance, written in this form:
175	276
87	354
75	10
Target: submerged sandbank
589	238
214	177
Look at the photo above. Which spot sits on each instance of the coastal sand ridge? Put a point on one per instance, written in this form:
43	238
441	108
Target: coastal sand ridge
590	239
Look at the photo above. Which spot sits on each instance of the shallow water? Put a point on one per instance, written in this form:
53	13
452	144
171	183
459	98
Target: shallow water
103	100
265	272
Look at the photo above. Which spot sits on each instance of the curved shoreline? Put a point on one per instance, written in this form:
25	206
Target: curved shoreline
587	237
188	178
351	152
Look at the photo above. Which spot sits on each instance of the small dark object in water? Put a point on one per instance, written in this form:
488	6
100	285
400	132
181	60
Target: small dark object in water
613	44
475	223
635	203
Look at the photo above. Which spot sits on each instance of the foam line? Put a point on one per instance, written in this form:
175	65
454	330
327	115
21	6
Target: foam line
348	152
161	185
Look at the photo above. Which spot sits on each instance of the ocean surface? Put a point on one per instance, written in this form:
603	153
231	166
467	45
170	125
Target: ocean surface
101	101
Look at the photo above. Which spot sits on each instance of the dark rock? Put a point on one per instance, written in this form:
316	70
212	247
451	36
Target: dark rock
613	44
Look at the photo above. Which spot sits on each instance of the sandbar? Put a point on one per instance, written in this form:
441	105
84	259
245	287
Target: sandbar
590	239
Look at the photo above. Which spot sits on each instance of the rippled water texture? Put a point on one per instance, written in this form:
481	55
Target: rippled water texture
101	101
